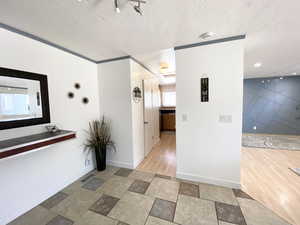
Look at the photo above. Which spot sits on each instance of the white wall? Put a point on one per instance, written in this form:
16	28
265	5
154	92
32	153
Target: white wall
115	98
27	180
138	74
207	150
116	82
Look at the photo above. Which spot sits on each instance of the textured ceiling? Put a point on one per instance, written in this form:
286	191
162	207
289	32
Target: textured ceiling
93	29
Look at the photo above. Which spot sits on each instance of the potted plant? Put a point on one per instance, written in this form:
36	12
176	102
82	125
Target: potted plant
99	139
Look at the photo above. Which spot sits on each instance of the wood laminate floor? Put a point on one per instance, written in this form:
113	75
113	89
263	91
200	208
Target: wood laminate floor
162	158
266	176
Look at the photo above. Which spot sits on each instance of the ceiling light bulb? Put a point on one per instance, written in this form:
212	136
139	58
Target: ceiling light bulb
294	73
118	10
257	65
164	65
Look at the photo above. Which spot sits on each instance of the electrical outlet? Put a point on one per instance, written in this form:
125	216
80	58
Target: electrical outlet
87	162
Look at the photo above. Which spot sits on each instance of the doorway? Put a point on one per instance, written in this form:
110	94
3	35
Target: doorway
159	96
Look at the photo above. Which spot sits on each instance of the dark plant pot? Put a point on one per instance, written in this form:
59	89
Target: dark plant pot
100	158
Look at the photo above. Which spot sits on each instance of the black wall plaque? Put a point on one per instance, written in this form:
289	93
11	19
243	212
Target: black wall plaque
204	90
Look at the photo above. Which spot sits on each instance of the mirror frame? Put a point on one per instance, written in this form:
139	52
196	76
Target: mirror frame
44	97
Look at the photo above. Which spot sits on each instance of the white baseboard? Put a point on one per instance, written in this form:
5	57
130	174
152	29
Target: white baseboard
193	177
119	164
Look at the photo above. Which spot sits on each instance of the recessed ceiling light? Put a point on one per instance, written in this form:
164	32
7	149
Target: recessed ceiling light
257	65
294	73
207	35
164	65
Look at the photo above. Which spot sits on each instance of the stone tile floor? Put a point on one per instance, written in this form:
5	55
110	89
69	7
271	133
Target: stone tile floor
120	196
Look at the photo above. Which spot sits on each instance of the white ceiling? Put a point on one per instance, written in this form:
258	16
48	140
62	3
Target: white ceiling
93	29
153	62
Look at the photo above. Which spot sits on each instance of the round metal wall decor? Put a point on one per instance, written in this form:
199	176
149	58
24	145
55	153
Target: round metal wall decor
77	85
85	100
71	95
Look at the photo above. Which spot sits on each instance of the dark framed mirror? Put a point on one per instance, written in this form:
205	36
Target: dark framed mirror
24	99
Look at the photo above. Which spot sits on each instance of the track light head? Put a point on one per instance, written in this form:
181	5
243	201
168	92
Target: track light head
117	6
138	9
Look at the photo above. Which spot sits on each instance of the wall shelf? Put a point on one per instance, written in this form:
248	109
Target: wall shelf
20	145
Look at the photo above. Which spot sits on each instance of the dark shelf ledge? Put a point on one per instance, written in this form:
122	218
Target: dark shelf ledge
28	143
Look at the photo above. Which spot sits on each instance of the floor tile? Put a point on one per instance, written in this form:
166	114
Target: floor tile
37	216
107	173
87	177
163	189
224	223
104	204
133	208
257	214
139	186
230	213
163	209
91	218
54	200
185	181
60	220
93	184
156	221
116	186
163	176
189	189
139	175
122	223
123	172
217	194
72	188
76	205
241	194
195	211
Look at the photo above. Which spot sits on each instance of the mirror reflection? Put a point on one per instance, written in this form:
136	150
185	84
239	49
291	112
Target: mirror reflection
19	99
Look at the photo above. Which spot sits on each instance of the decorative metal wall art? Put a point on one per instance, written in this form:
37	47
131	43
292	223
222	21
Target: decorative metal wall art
137	94
204	89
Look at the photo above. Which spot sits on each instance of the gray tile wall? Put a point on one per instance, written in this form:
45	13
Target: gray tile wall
272	105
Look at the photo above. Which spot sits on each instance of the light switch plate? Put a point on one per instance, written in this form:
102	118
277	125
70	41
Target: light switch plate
184	117
225	118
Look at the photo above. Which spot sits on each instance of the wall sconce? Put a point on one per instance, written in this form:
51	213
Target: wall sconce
137	94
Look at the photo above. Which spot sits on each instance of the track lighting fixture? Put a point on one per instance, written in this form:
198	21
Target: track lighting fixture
136	7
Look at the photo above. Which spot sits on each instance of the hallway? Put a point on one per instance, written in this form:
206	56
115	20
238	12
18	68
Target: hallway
162	158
